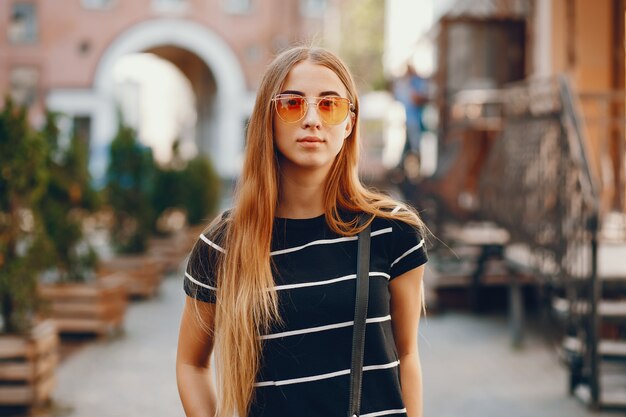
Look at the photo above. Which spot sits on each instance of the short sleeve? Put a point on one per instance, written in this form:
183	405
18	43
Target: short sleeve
201	271
407	249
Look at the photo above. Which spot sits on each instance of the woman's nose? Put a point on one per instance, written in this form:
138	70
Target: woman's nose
312	116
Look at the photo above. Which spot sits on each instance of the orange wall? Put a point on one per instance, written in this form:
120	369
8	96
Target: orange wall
591	70
593	43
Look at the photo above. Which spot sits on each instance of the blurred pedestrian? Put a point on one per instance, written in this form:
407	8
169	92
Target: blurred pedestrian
412	91
271	283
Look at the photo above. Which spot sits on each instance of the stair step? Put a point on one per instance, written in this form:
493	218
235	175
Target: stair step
616	278
612	348
615	309
609	349
612	308
613	400
611	260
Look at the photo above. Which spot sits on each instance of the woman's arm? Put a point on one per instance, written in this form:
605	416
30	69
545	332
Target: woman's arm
406	305
195	344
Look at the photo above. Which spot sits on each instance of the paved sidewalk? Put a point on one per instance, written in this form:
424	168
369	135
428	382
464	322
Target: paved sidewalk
131	375
469	369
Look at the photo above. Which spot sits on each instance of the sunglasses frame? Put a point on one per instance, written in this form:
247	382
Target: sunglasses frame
307	101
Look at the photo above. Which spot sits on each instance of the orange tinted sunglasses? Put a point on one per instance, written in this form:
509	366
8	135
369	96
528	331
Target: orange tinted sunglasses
291	108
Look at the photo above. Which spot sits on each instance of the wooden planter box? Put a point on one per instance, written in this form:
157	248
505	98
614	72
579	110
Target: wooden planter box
169	252
27	366
172	250
193	233
97	307
141	274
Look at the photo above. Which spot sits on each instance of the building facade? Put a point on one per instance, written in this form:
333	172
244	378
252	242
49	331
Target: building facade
60	54
488	44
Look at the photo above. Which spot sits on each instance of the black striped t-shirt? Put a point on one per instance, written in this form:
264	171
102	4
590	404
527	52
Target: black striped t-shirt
305	364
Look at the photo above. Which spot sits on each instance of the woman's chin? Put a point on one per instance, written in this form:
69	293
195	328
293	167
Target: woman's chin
306	164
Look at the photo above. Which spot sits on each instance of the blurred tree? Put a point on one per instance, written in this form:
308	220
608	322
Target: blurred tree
201	186
193	186
130	176
23	244
362	41
167	194
68	195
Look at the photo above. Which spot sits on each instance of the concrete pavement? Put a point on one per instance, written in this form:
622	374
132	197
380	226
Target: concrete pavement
469	368
131	375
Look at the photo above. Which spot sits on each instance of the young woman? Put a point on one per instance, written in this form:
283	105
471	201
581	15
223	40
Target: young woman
271	284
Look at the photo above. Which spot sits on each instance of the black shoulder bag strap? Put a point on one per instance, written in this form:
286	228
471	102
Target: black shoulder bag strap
360	315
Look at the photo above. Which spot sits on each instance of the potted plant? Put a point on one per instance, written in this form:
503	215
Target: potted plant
28	346
170	218
185	193
129	178
74	298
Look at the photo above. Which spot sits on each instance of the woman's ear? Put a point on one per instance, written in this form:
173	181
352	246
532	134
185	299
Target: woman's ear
349	125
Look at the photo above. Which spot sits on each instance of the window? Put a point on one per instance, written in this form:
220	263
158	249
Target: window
23	24
23	85
312	8
82	128
98	4
237	6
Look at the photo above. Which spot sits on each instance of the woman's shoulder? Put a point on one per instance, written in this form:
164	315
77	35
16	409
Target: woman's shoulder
404	238
399	215
215	231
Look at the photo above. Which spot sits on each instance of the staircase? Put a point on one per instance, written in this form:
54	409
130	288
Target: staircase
596	349
539	186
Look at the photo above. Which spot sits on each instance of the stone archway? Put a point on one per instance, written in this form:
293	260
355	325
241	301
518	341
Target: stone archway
227	124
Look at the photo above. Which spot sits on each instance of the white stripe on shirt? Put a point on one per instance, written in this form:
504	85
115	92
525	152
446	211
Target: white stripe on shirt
324	376
323	328
326	282
385	413
315	242
327	242
195	281
303	284
297	248
413	249
211	244
381	231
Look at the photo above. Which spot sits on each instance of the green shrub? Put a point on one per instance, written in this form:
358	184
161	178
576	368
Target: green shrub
192	186
68	197
167	192
201	190
129	185
23	243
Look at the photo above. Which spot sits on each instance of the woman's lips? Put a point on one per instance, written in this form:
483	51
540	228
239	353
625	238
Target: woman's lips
310	142
310	139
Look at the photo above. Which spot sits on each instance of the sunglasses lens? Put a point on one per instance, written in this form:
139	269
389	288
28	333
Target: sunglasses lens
333	110
291	109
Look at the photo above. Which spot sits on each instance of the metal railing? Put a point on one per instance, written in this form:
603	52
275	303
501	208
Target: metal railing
538	183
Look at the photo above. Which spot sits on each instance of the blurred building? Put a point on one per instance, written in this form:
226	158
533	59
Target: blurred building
60	54
532	124
484	45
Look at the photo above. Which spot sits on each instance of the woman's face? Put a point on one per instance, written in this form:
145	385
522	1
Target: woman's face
310	144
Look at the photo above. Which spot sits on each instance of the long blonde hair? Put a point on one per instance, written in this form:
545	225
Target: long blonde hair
247	303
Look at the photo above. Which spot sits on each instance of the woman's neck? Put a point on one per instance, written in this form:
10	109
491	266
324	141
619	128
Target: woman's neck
301	195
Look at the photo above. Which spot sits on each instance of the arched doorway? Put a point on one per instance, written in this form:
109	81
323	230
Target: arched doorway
221	90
